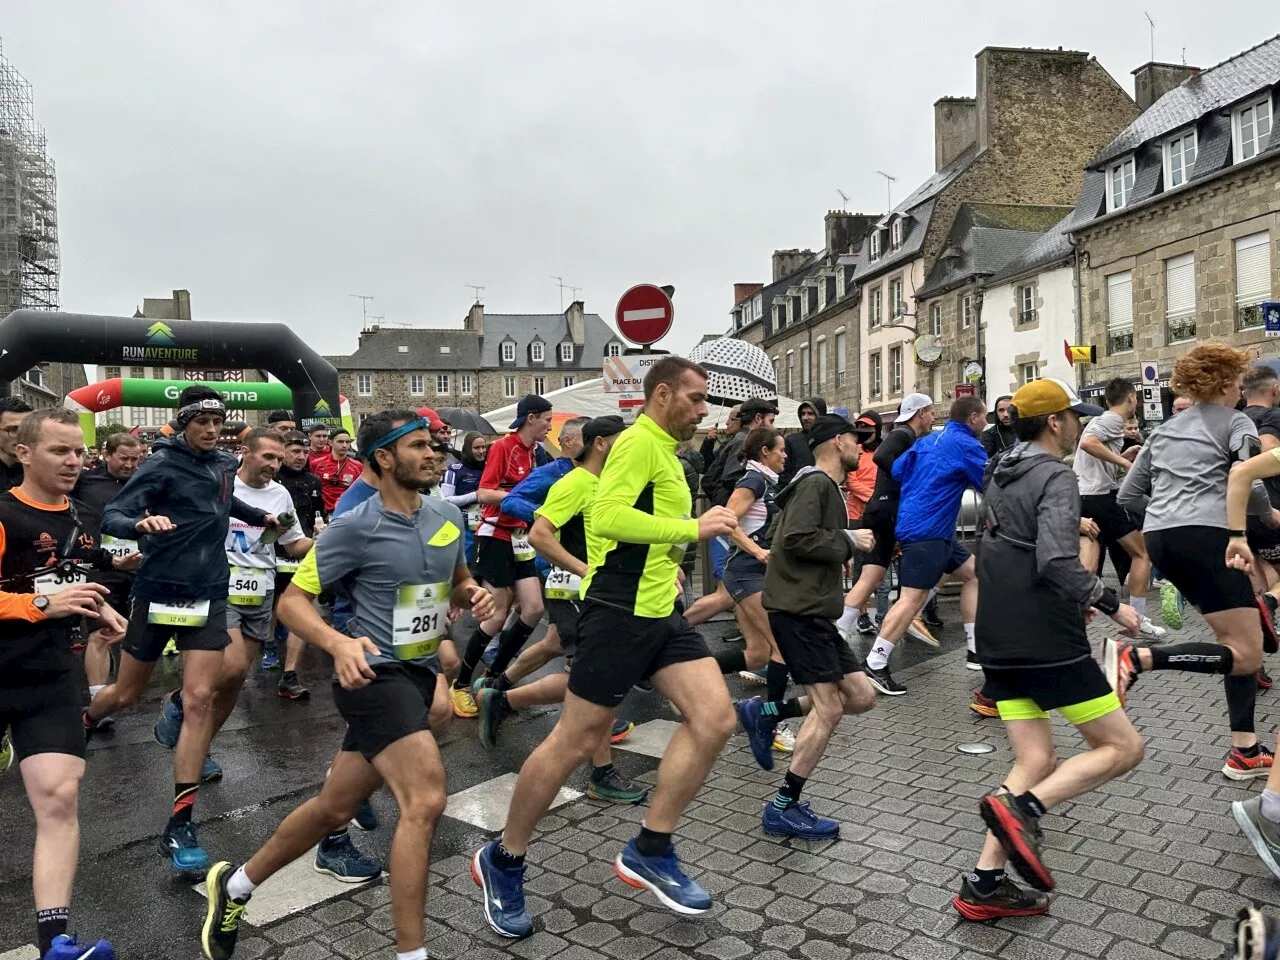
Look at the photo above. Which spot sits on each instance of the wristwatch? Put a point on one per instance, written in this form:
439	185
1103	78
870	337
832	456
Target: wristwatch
40	602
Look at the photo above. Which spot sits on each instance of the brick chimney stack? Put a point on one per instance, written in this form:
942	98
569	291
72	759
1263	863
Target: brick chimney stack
475	319
1151	81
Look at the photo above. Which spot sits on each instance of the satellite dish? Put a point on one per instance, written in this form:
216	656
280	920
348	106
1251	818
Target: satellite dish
928	353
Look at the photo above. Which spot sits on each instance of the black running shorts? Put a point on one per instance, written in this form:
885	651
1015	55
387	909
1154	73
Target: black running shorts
812	648
1112	519
1050	688
1264	541
881	554
395	704
43	716
617	649
145	641
497	566
1194	561
564	615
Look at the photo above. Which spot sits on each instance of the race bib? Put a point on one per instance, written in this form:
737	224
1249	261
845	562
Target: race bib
119	548
418	621
247	587
181	613
520	547
473	517
287	565
58	579
562	585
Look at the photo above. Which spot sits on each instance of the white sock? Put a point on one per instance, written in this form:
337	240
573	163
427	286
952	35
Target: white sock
847	619
968	638
419	954
933	592
94	688
878	658
240	886
1139	604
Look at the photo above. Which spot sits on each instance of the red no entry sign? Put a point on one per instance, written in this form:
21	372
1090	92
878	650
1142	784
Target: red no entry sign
644	314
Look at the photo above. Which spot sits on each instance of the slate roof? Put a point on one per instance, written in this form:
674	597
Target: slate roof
1053	247
988	236
552	328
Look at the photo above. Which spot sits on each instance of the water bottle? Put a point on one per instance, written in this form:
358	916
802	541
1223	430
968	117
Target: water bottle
318	524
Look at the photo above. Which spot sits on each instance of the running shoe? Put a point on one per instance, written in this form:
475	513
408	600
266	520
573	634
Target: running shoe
282	634
290	689
479	683
1020	836
662	877
210	770
983	705
492	709
464	704
339	858
756	677
64	947
931	618
865	625
613	787
643	685
169	724
1241	767
171	648
919	631
365	819
270	657
784	739
101	726
1152	631
1170	609
182	848
1006	900
490	653
1262	834
222	914
1264	679
883	681
503	892
759	730
1267	614
971	661
6	752
1257	936
798	821
621	730
1120	664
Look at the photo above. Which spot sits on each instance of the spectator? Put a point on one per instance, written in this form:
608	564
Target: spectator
728	467
709	452
798	453
999	437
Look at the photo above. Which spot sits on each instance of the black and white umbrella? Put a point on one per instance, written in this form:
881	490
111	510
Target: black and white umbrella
736	371
463	420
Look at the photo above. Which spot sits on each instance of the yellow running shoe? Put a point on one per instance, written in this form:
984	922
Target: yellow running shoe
6	752
171	648
464	704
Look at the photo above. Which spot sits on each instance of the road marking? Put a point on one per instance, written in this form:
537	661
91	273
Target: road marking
650	738
652	313
26	952
486	804
297	887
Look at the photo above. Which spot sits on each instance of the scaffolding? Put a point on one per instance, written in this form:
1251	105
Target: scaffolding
29	265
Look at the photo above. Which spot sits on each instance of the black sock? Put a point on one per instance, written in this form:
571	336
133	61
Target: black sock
502	682
789	792
775	678
731	661
509	644
985	882
1242	694
600	774
1192	657
471	657
1249	751
650	843
184	802
50	923
1030	804
503	859
779	711
334	836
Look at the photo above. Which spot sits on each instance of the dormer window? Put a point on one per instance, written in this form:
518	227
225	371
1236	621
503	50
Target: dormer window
1251	129
566	352
536	352
875	244
508	351
1179	159
1119	184
614	349
895	234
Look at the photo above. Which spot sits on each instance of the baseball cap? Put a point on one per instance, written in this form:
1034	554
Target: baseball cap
530	403
1050	395
913	404
607	426
754	406
431	417
826	427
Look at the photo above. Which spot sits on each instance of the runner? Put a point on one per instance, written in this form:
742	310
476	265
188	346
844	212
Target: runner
308	506
180	501
628	629
318	439
281	422
398	559
811	543
1179	481
1261	390
462	480
1033	604
12	412
338	470
41	549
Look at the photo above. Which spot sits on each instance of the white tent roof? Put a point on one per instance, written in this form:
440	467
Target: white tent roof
588	399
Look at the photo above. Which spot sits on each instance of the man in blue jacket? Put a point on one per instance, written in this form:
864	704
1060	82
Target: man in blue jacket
934	474
178	506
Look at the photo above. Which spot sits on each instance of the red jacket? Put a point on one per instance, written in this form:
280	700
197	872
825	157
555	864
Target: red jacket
859	484
509	461
335	477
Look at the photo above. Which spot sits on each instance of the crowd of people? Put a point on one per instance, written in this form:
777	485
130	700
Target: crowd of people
422	561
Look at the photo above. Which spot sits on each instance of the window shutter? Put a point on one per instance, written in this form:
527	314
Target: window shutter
1120	303
1253	269
1180	286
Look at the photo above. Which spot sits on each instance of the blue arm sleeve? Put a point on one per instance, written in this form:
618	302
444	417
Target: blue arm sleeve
530	493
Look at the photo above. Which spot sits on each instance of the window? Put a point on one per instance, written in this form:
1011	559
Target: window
444	348
897	306
1119	184
364	384
465	384
935	319
110	373
1026	304
839	282
137	373
757	307
822	293
539	385
895	370
777	370
566	353
966	312
508	387
1253	278
536	351
1119	312
35	377
895	234
508	352
822	364
402	348
1251	129
442	384
568	381
873	376
804	368
804	301
1180	298
415	384
1179	158
840	368
791	366
875	244
791	311
615	349
1030	371
875	308
157	373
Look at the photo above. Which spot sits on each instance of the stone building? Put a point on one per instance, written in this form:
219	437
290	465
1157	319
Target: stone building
494	359
1180	217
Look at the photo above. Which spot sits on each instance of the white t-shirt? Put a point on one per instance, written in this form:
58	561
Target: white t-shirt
244	542
1098	476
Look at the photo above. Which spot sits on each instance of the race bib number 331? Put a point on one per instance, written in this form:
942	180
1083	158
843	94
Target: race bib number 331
419	619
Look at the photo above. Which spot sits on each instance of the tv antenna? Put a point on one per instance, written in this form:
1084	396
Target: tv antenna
844	199
364	307
1152	24
889	181
476	287
574	291
563	286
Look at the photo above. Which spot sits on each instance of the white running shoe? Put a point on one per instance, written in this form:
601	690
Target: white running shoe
784	738
1151	631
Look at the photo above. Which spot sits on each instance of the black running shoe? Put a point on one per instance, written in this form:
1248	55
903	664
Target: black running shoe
1020	836
931	619
222	914
883	681
290	689
1006	900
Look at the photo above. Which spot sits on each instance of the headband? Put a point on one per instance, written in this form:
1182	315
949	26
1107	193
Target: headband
195	408
420	423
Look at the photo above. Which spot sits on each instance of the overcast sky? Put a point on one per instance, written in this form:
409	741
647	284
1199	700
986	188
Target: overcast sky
274	158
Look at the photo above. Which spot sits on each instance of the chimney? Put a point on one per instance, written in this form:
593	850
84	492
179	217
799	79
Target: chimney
845	230
1151	81
787	262
475	319
576	319
741	291
955	128
182	304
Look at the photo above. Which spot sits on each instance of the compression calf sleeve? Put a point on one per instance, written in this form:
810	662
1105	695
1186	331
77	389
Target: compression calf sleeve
510	641
731	661
1193	657
1242	693
471	656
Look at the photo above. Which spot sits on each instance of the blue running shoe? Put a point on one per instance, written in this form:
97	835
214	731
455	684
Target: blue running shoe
490	653
211	771
169	724
270	657
182	848
798	821
339	858
503	894
365	819
662	877
493	709
65	948
479	683
282	633
759	730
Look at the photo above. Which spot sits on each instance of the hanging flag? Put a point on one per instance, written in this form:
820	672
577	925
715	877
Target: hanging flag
1077	353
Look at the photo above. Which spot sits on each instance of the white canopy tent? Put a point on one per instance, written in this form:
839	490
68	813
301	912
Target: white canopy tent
588	399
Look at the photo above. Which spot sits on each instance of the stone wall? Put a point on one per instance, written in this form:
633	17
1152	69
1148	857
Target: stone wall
821	328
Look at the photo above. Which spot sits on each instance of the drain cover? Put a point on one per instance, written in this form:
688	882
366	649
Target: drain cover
976	748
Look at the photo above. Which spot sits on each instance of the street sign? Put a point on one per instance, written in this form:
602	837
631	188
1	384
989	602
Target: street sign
966	390
1152	405
1271	318
623	378
645	314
